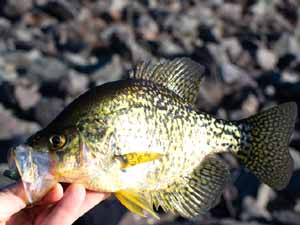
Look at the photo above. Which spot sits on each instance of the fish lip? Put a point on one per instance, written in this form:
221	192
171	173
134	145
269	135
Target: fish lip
12	165
35	170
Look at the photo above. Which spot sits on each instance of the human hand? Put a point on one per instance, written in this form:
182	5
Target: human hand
57	207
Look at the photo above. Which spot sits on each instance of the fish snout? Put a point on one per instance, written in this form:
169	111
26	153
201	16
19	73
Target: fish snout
34	168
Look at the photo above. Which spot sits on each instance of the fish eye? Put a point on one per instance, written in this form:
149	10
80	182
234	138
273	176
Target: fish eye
57	141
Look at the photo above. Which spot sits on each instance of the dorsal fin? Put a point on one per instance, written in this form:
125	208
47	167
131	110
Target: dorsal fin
182	75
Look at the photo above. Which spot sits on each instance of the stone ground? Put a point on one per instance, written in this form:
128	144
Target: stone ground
51	51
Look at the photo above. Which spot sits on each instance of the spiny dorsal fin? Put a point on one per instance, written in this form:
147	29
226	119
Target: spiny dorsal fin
182	75
196	193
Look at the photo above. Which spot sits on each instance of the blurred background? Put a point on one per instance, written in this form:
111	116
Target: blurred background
52	51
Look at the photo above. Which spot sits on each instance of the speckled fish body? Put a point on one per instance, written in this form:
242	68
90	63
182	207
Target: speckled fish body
143	139
144	118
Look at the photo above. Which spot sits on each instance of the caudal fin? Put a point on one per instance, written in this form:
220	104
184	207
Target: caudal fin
264	144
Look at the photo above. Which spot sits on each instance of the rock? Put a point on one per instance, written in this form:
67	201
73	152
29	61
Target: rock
233	48
147	28
218	53
287	44
7	71
262	7
236	78
297	206
285	61
184	29
76	60
231	11
110	212
206	34
231	73
252	210
109	72
270	90
24	35
47	69
53	50
264	196
11	126
7	94
296	158
210	95
62	10
250	105
6	35
290	77
26	93
4	180
47	109
14	9
75	83
168	47
286	217
230	195
122	41
235	222
130	218
266	59
245	60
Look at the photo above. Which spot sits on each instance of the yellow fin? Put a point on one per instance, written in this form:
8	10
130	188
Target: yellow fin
135	158
136	202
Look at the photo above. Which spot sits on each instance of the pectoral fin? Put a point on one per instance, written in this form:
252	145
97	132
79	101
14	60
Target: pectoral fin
136	202
132	159
196	193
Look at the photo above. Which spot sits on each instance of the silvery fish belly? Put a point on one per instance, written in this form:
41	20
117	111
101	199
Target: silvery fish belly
144	140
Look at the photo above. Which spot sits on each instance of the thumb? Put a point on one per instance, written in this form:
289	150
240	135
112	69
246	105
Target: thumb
12	199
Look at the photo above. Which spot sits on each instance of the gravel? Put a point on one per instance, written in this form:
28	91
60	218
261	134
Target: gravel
52	51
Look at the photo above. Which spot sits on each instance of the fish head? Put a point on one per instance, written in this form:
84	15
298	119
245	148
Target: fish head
44	158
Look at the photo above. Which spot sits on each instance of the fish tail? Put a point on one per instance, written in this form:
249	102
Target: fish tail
265	144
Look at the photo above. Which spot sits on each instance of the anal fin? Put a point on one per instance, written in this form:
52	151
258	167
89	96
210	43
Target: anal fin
196	193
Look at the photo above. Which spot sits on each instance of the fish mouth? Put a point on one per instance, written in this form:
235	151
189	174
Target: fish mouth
35	171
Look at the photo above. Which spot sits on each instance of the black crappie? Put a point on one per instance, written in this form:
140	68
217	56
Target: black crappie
143	139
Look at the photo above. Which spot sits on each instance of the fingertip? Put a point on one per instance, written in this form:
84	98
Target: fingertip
56	192
76	190
59	190
54	195
92	199
68	208
98	195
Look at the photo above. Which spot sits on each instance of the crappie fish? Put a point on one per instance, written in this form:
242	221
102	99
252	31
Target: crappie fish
144	140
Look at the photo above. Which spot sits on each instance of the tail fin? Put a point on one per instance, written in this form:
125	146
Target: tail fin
264	144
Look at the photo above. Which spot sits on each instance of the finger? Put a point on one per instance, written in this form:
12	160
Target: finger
67	210
91	200
39	209
54	195
13	198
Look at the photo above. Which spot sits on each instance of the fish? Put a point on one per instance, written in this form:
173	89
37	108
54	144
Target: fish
145	140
